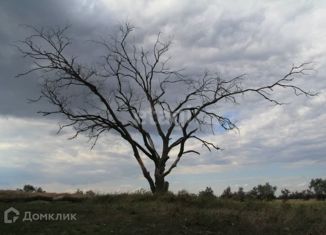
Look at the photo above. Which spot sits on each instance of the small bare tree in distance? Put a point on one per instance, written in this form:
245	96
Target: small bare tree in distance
131	81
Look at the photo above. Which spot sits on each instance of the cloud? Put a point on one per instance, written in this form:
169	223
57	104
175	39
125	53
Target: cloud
259	38
30	153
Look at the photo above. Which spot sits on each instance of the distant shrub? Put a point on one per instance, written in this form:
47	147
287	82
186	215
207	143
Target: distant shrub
240	195
79	191
319	188
29	188
182	192
285	194
90	193
307	194
227	193
207	193
263	192
40	190
184	195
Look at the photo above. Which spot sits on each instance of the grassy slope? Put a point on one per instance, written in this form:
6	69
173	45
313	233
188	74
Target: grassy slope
144	214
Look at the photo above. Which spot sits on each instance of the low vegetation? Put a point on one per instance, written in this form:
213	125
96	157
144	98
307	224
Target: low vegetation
257	211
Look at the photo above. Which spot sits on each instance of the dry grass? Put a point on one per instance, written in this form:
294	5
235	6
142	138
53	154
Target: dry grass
144	213
21	196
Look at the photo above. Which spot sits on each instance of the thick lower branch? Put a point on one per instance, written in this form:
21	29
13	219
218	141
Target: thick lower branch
143	168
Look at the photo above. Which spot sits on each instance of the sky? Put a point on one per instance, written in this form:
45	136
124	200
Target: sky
283	145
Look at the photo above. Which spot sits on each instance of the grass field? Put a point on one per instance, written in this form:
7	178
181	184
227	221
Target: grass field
168	214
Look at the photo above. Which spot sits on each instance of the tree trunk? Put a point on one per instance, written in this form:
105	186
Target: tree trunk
161	186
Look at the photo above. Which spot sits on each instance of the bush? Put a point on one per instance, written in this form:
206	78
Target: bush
182	192
184	195
305	195
79	192
40	190
285	194
207	193
263	192
90	193
227	193
29	188
319	187
240	195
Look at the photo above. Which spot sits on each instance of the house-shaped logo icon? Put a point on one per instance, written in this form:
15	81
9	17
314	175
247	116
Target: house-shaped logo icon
10	215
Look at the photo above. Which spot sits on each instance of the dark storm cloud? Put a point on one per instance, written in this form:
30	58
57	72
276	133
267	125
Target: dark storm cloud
14	92
202	39
259	38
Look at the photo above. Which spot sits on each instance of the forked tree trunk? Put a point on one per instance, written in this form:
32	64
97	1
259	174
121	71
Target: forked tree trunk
158	185
161	186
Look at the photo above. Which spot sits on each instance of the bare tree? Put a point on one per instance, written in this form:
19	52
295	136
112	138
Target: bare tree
132	81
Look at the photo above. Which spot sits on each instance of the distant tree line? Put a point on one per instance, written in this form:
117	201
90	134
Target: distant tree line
260	192
31	189
316	190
